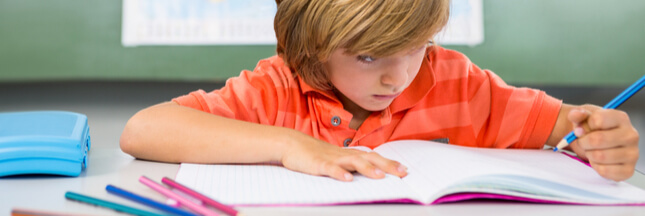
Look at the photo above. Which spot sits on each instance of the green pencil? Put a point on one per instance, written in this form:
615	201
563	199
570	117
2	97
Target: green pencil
107	204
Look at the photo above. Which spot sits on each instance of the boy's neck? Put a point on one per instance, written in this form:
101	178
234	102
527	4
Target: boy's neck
358	113
358	119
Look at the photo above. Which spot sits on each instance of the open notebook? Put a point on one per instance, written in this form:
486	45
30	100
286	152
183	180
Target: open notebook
437	173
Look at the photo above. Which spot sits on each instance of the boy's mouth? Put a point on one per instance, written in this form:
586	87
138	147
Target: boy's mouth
386	97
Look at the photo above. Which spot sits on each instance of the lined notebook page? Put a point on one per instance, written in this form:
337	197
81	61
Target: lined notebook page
267	184
433	167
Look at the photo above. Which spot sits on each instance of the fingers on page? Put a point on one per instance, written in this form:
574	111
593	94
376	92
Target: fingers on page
335	171
387	165
364	166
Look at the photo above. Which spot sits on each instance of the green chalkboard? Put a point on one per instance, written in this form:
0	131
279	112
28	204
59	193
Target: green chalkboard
563	42
534	42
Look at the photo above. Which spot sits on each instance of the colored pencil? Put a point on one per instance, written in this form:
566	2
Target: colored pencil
143	200
107	204
182	200
613	104
33	212
227	209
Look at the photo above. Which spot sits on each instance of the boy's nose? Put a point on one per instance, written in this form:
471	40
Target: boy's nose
396	76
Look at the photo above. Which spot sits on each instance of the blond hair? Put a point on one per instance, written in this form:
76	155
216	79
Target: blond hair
308	31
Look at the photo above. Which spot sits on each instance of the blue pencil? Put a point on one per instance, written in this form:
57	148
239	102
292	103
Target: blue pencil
131	196
613	104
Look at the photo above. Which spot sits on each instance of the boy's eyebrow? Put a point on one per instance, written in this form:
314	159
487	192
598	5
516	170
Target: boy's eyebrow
346	51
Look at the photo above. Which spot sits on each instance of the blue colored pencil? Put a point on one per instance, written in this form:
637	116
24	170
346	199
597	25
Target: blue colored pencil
154	204
108	204
613	104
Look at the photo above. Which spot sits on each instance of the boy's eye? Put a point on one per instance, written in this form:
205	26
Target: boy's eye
366	58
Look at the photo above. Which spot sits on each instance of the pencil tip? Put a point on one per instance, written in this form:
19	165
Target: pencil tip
563	143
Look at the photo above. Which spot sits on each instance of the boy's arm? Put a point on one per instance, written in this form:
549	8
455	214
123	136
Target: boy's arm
169	132
606	138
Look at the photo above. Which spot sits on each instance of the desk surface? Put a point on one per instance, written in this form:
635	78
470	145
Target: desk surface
108	165
109	108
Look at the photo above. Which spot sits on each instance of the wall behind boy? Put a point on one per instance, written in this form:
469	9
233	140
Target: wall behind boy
532	42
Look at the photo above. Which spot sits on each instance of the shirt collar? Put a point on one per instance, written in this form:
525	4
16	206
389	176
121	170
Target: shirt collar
419	88
306	89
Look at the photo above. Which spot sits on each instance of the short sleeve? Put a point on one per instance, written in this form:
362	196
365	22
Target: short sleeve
508	116
253	96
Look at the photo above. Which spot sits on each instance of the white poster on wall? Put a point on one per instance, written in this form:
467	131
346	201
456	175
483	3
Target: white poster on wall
466	24
197	22
221	22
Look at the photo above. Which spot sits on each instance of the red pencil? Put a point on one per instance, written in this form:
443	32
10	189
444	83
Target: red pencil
33	212
226	209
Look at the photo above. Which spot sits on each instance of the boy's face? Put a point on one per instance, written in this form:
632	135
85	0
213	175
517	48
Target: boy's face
364	83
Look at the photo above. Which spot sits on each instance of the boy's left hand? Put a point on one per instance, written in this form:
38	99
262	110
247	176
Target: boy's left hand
607	139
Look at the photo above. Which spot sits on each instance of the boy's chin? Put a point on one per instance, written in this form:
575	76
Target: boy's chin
376	108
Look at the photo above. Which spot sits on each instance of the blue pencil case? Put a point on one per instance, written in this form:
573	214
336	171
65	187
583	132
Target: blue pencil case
43	142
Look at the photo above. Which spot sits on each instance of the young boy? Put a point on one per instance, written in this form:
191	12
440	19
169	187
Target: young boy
362	73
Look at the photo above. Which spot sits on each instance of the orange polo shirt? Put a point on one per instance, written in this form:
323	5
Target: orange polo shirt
450	99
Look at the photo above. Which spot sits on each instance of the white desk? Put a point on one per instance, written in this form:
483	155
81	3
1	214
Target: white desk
109	108
108	165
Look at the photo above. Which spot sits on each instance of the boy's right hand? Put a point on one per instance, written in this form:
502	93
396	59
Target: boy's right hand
315	157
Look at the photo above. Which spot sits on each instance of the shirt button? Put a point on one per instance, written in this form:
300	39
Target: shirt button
347	142
335	121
